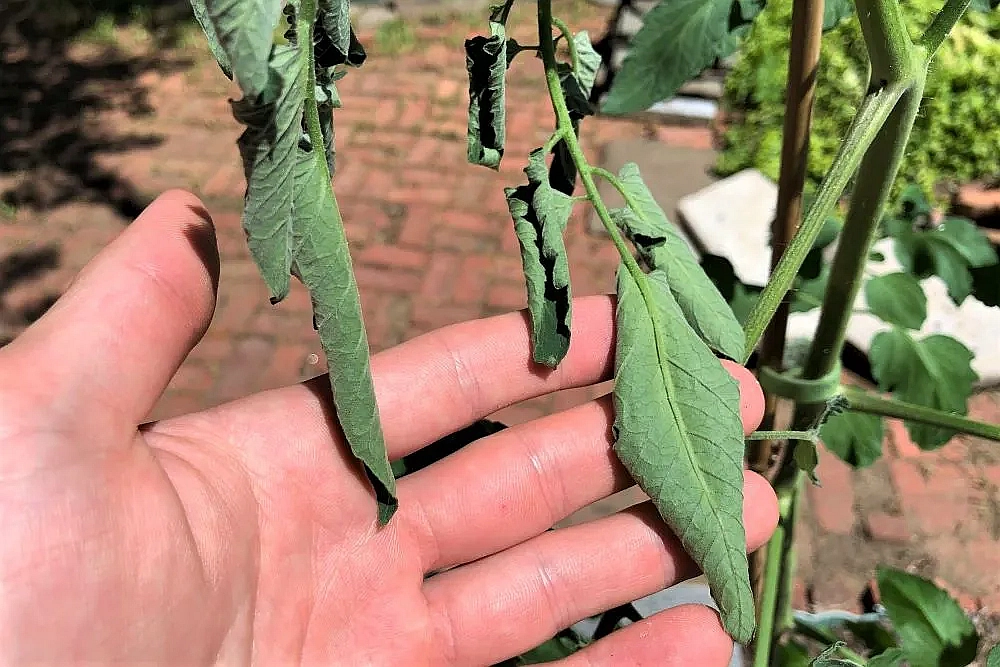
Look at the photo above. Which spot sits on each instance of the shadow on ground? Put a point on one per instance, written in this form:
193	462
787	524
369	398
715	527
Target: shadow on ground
61	66
20	269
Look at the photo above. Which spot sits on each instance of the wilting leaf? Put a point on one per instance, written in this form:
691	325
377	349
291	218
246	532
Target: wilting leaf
934	372
855	438
201	16
678	39
933	630
293	226
576	87
486	63
662	248
244	29
897	298
540	214
678	432
948	251
334	18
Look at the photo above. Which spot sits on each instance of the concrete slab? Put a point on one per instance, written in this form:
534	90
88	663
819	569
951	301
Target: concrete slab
670	173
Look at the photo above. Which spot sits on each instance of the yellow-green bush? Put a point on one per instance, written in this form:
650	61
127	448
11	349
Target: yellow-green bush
956	137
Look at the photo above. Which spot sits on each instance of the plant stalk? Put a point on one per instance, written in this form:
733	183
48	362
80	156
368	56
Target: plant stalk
766	634
869	403
941	26
874	109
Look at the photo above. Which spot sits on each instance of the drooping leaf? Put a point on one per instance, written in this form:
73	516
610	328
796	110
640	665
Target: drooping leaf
897	298
892	657
678	39
662	248
855	438
949	251
678	433
932	628
486	63
540	214
835	11
293	226
322	262
934	372
244	29
576	87
201	16
334	18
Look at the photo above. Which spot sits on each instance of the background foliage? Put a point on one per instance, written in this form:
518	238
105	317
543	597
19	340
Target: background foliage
954	137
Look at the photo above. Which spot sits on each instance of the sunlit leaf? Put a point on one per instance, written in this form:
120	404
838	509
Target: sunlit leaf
201	16
540	214
662	248
678	432
934	372
932	628
244	30
897	298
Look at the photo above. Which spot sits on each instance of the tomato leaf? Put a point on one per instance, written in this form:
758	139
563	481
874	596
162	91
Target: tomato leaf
934	372
540	214
663	249
201	16
244	30
486	63
835	11
932	628
678	39
892	657
898	299
948	251
576	87
678	432
854	437
993	659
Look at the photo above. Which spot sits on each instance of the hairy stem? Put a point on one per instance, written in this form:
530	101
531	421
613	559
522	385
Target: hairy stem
942	24
769	592
869	403
574	55
890	50
808	436
872	113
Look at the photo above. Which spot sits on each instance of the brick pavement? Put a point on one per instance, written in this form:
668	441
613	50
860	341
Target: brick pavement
433	245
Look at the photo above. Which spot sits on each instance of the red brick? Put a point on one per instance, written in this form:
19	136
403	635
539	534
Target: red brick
385	112
236	311
475	275
439	279
286	365
985	407
463	242
427	317
687	137
393	257
413	195
506	297
884	527
226	181
940	503
833	503
244	368
387	280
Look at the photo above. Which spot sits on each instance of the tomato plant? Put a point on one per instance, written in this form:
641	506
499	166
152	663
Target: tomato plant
677	426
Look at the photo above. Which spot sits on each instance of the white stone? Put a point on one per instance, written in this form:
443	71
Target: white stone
732	218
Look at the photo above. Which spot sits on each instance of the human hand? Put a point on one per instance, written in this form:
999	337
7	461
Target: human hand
246	533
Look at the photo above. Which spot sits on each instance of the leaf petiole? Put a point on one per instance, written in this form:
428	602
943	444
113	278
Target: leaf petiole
574	55
620	187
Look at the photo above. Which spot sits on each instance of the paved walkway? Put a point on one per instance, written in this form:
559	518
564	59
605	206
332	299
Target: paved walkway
433	244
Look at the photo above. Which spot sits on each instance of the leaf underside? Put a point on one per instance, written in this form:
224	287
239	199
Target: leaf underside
540	214
201	16
293	227
678	432
244	30
662	248
486	63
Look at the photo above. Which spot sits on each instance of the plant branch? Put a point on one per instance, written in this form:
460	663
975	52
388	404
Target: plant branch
943	22
871	115
574	55
873	404
890	50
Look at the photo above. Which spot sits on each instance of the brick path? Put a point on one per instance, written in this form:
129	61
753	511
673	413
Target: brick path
433	244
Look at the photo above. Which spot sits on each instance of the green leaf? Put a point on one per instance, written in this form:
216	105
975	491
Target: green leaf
563	645
948	251
993	660
741	298
201	16
874	634
828	658
807	294
540	215
678	39
486	63
293	226
835	11
334	17
897	298
934	372
854	438
791	654
892	657
932	628
984	6
244	30
662	248
678	432
577	84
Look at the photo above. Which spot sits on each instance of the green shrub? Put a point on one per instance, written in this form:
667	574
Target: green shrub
955	138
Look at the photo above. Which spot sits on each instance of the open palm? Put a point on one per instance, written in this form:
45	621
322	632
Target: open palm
246	533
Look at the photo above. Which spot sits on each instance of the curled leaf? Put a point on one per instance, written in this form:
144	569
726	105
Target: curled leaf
486	63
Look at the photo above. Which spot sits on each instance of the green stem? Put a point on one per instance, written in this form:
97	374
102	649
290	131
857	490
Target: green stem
942	24
874	183
620	187
863	401
890	50
872	113
574	55
305	20
769	595
809	436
